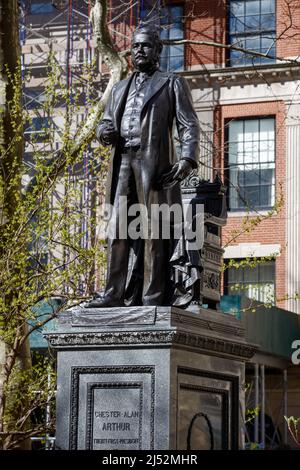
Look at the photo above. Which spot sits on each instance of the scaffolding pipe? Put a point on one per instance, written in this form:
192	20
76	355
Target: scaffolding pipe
256	401
68	52
285	405
262	411
22	37
48	410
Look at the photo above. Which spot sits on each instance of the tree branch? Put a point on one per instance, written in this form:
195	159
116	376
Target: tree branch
118	67
229	47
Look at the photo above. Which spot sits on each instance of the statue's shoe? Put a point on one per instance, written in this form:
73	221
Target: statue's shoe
104	302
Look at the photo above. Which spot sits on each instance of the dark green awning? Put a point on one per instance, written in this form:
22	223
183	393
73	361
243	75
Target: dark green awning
273	329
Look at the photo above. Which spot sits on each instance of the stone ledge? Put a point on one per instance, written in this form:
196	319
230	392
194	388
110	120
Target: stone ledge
202	330
80	319
151	338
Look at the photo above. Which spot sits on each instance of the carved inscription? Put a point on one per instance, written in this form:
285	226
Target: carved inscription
115	416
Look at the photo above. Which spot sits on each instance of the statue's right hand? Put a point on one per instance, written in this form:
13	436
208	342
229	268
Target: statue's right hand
109	135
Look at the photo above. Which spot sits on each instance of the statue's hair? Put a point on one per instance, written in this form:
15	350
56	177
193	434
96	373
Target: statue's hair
150	31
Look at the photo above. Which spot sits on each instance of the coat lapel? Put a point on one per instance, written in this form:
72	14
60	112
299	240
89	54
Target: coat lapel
120	99
158	80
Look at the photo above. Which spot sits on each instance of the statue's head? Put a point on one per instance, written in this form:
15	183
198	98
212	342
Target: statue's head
145	48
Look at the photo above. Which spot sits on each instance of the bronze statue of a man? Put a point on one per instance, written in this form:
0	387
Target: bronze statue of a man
138	124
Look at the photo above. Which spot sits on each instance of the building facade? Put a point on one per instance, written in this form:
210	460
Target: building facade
251	102
241	61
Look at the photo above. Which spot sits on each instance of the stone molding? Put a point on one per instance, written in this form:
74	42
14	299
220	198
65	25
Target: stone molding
163	338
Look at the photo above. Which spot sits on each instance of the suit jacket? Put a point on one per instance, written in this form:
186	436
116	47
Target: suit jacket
167	100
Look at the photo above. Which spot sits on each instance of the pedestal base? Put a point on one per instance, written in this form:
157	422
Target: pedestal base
149	378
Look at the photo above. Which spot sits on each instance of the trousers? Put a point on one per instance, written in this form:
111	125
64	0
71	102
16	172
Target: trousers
151	264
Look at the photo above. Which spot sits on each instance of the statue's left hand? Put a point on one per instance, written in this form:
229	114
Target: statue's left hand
178	173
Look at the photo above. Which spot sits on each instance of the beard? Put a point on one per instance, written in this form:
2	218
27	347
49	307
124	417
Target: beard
146	64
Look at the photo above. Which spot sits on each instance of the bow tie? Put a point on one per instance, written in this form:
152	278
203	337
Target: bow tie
141	78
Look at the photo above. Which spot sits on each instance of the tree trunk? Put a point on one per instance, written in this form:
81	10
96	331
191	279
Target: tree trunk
11	158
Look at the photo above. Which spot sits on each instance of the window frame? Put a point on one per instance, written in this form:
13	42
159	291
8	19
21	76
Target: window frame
258	33
249	207
227	290
169	57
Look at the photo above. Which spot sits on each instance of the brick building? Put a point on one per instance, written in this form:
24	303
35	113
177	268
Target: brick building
251	103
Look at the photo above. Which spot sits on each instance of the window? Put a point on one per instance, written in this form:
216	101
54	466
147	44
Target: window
257	282
172	57
251	163
252	26
34	98
170	22
41	8
39	128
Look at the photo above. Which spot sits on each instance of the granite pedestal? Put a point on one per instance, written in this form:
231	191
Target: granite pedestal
149	378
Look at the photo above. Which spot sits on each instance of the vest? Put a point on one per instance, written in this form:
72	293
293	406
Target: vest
131	119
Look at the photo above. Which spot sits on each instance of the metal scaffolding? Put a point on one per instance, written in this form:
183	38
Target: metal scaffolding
263	429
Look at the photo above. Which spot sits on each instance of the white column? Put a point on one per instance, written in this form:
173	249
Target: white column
293	216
